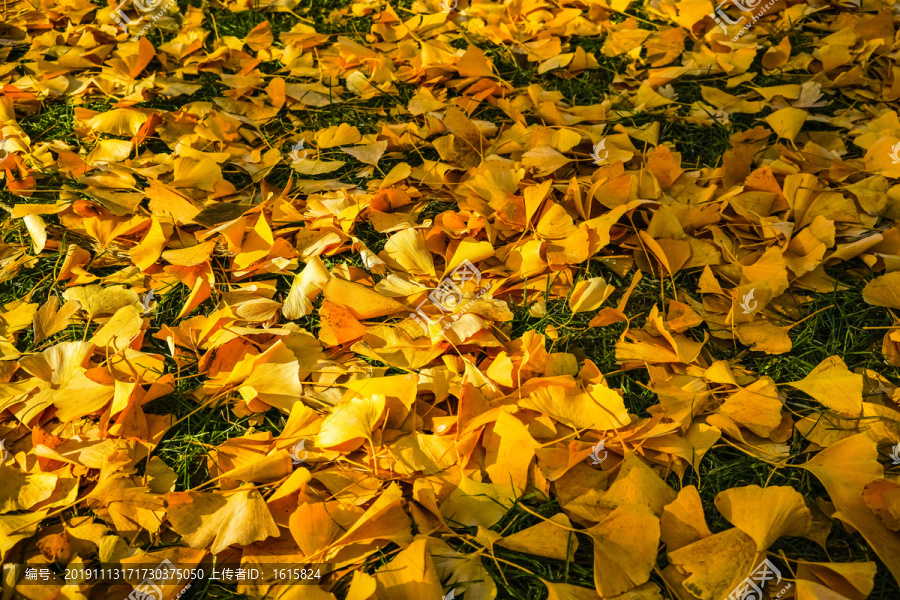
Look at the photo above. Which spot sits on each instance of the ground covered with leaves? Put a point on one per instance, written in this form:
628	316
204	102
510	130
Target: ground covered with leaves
533	299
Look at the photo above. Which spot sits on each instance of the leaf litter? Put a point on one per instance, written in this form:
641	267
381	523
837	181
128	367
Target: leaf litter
274	223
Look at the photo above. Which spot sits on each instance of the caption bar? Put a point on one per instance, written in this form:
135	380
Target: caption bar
168	573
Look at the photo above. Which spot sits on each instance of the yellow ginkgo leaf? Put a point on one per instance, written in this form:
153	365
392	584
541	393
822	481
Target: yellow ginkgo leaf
362	301
21	491
37	229
597	407
846	467
883	290
307	285
351	422
338	135
832	384
407	250
553	538
119	121
589	295
51	318
411	575
218	520
368	154
317	166
462	573
625	546
274	378
787	122
120	330
198	173
97	300
841	581
682	522
716	564
638	485
510	452
473	503
765	514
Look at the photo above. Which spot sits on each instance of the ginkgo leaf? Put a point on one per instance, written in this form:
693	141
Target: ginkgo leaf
715	564
385	519
553	538
510	452
544	160
338	325
462	573
407	249
274	378
369	154
474	503
201	173
845	468
21	491
883	291
216	521
409	576
37	229
317	166
363	302
597	407
832	384
589	295
756	407
59	363
638	485
119	121
682	521
120	330
765	514
338	135
352	422
17	527
853	581
96	300
625	545
307	285
787	122
51	318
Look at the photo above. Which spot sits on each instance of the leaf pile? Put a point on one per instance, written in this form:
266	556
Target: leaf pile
219	236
